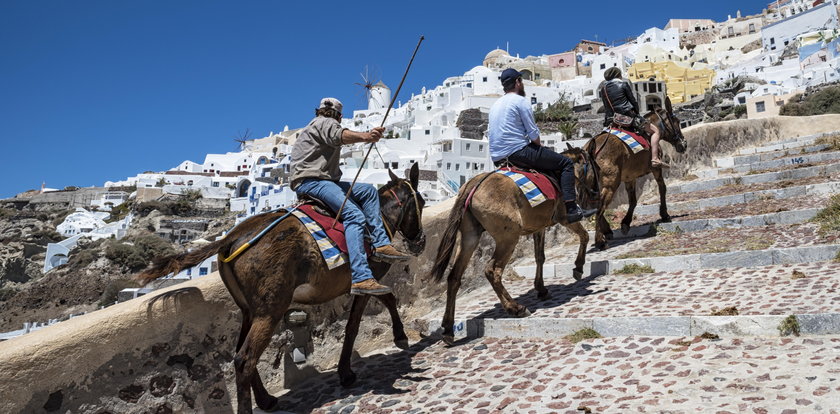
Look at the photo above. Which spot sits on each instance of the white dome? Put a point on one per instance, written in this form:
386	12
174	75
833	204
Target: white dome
496	53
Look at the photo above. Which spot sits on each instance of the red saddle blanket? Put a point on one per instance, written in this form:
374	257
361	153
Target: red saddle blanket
543	183
333	232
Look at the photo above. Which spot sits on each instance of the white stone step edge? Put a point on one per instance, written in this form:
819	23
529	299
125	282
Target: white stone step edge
685	326
689	262
784	144
832	187
795	174
766	165
739	160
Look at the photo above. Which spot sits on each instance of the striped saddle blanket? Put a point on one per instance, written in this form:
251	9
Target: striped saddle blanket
635	142
330	238
536	187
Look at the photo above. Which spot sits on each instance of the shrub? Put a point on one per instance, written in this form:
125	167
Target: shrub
152	246
739	110
634	269
585	333
825	101
143	209
789	326
829	217
126	256
556	112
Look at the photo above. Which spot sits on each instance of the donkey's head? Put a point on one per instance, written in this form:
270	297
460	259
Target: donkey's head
586	176
669	127
402	209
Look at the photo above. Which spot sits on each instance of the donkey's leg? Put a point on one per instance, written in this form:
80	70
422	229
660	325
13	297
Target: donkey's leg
493	273
390	302
345	373
264	400
539	256
663	208
245	361
470	235
630	186
583	238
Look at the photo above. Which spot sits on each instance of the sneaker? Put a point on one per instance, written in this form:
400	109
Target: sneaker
577	214
389	254
369	287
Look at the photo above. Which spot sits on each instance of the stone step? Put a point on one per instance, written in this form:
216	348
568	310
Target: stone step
781	193
606	375
768	165
739	160
767	177
722	326
784	144
780	218
743	258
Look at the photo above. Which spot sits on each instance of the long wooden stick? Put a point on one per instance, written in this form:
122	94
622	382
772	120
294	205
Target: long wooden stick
393	99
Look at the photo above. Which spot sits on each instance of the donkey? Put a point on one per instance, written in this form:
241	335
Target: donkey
613	163
498	207
287	266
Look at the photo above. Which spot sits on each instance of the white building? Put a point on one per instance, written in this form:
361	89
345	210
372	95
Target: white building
81	221
776	36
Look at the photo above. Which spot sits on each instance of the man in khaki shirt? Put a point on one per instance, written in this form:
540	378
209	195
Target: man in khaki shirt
316	173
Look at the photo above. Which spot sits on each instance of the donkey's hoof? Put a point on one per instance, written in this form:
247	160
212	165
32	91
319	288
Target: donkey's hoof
521	313
543	295
348	380
401	343
449	340
601	245
666	219
608	236
270	405
625	229
577	274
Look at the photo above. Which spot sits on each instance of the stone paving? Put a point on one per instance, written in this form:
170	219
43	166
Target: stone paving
768	290
755	374
610	375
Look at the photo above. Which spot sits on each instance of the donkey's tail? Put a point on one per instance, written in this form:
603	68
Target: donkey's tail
447	242
177	262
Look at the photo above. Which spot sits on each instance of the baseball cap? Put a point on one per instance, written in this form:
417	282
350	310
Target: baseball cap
509	74
331	103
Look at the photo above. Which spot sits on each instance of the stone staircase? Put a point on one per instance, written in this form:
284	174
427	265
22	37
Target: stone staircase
701	323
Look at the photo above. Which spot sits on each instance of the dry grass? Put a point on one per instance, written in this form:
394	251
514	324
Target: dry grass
829	217
797	275
583	334
727	311
789	326
634	269
709	336
833	141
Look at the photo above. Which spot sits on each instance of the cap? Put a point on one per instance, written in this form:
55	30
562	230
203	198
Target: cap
509	75
331	103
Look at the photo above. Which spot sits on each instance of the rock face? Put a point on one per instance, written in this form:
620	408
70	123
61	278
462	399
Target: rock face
472	123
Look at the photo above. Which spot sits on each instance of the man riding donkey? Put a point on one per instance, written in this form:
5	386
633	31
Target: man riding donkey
316	173
515	138
622	109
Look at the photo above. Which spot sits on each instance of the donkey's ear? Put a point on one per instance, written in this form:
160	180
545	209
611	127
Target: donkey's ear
414	175
569	146
668	105
393	176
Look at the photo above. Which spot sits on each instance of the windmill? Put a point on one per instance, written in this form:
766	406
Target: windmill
371	79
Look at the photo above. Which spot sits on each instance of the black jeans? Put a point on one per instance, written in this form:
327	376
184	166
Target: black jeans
545	160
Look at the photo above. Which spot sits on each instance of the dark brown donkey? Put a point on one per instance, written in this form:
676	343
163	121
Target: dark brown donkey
286	265
498	207
614	163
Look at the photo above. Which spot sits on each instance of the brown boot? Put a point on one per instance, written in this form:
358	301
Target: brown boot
389	254
369	287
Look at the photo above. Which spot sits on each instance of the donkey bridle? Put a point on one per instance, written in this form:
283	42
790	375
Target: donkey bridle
402	205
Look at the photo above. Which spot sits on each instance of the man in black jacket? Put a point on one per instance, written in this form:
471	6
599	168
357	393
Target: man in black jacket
618	97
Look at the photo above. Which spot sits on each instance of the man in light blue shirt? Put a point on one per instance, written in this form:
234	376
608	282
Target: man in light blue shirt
514	137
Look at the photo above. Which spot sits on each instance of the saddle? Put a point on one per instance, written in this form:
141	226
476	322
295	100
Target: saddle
319	206
506	163
324	217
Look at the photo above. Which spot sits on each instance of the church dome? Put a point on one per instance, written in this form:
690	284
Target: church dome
496	53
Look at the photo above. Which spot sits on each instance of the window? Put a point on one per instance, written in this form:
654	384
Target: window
752	27
202	271
533	100
428	132
395	165
467	147
457	167
448	165
742	100
772	40
603	66
731	31
759	107
215	184
484	79
480	148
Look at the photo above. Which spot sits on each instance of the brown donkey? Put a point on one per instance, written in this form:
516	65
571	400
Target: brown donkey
498	207
614	163
286	266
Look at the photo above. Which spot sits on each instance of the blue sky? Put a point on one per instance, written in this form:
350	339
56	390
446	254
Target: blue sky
100	90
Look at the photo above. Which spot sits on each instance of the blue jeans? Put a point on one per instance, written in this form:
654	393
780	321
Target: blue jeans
362	212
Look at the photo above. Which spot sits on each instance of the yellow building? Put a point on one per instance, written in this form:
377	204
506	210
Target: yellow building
683	83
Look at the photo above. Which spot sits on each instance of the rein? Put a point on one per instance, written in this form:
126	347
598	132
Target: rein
388	226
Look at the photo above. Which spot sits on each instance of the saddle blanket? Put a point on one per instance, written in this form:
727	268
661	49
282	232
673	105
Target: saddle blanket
636	142
330	238
536	187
